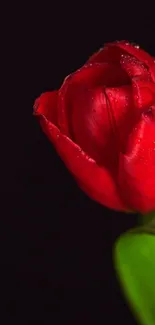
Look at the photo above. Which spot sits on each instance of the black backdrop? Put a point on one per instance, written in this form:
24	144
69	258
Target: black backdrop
53	235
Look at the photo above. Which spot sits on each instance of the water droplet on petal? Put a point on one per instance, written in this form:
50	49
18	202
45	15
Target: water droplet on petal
58	136
135	45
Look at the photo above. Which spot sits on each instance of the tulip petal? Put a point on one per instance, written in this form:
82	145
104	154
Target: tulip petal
134	68
94	180
46	105
88	77
137	52
112	52
143	93
137	168
102	119
141	55
123	113
109	53
92	126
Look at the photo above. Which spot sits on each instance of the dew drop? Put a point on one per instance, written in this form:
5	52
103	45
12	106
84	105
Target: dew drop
58	136
148	114
90	159
135	45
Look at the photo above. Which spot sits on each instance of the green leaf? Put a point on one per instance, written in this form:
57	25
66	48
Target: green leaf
134	256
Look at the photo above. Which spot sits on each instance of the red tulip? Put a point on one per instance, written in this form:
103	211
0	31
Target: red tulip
102	124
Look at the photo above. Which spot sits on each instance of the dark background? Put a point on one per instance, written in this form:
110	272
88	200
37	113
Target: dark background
53	235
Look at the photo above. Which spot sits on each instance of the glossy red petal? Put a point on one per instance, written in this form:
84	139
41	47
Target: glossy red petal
95	75
46	105
141	55
134	68
137	168
88	77
143	94
112	52
101	121
92	128
96	181
138	53
123	115
107	54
